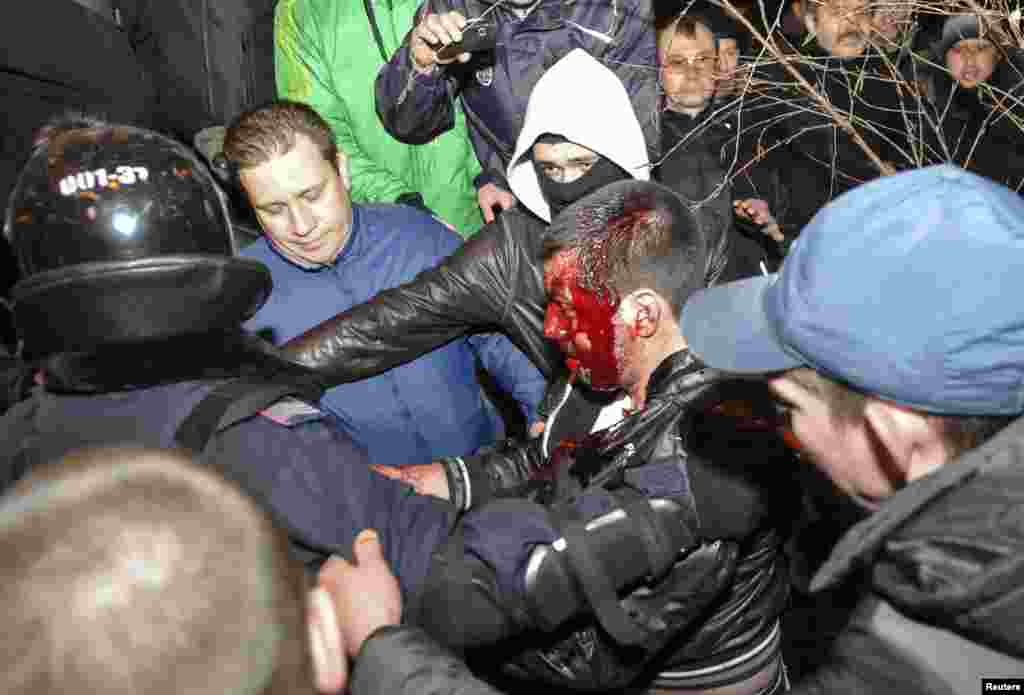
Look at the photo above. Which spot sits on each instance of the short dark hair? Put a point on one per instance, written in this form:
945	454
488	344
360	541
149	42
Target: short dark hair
683	25
261	134
846	405
138	571
633	234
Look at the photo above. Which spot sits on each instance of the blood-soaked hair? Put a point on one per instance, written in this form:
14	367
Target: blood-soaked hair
632	234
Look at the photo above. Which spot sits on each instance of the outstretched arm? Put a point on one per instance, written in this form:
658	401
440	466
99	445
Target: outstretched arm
490	283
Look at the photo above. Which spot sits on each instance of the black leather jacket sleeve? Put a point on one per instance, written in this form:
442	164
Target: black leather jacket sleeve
492	282
475	480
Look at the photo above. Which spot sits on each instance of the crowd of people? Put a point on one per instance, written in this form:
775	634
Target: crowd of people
514	346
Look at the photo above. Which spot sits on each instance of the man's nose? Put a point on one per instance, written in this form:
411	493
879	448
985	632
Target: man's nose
692	70
305	219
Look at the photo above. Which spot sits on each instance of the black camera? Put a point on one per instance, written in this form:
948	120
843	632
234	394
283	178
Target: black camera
475	37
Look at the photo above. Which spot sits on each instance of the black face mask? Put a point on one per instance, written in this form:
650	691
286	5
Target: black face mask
559	196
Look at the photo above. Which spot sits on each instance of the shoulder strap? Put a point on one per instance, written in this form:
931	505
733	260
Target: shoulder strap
227	404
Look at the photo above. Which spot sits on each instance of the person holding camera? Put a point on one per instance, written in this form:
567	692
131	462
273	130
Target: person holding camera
506	47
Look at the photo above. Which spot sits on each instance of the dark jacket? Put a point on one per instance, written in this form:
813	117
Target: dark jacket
492	282
982	128
401	659
309	475
699	161
494	87
793	132
737	497
314	479
941	565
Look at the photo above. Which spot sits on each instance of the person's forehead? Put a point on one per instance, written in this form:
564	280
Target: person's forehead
973	43
841	7
680	45
288	172
561	152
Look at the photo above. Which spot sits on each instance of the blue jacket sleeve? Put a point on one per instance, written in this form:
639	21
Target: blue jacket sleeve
512	370
318	484
633	57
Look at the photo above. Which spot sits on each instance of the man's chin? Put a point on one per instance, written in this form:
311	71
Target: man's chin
694	104
850	48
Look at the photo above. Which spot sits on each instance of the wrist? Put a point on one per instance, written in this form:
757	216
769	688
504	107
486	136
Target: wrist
419	68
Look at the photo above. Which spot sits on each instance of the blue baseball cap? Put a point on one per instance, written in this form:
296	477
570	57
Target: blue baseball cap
906	288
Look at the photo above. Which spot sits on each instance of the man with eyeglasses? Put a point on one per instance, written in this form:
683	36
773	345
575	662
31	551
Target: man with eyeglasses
698	142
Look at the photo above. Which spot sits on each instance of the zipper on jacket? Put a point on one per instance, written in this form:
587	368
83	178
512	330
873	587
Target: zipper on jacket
550	422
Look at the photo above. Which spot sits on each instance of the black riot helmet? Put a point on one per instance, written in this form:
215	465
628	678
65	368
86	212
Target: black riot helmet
121	236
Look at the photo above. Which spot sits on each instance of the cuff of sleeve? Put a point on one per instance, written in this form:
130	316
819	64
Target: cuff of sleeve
460	487
416	69
480	480
490	176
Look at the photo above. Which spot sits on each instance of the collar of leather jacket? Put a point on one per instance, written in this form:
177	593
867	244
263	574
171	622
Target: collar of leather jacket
678	372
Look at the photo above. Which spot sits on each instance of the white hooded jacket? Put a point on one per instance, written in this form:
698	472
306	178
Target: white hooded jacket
583	101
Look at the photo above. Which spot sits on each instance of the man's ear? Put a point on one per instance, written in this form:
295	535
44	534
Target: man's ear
646	312
913	440
343	170
330	664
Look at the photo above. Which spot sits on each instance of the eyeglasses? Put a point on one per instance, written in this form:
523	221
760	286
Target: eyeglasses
700	63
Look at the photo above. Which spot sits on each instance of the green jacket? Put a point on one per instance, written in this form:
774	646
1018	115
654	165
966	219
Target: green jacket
326	56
